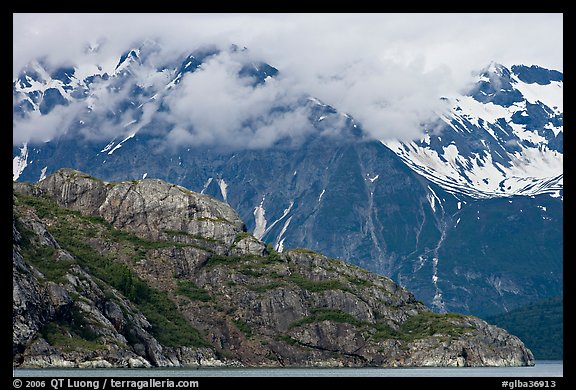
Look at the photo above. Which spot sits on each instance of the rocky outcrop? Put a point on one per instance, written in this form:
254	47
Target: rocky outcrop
144	273
149	208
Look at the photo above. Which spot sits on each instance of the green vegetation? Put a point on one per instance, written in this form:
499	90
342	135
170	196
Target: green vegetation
385	332
168	325
63	336
251	272
316	286
427	323
128	237
42	256
73	333
175	232
303	250
182	233
42	206
286	339
539	325
273	255
266	287
244	328
217	219
362	283
323	314
242	235
188	289
422	325
215	260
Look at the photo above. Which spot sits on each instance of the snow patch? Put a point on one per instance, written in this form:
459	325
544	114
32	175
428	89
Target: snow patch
555	194
43	175
280	240
223	189
121	142
19	163
432	198
284	214
551	94
372	179
437	300
206	185
260	220
280	246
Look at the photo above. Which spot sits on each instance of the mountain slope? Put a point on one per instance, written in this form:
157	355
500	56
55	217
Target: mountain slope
503	138
109	274
430	218
544	316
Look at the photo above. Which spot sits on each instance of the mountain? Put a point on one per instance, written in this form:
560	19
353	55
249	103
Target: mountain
147	273
503	138
546	317
469	218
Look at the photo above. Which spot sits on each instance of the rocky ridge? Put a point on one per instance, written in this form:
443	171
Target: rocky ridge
146	273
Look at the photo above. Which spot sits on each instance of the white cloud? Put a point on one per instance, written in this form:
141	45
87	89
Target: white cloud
41	128
214	106
387	70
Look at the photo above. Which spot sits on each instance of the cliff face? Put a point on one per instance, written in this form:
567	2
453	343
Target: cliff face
145	273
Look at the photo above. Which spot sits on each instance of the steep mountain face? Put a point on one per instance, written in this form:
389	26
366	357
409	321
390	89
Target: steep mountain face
147	273
469	218
503	138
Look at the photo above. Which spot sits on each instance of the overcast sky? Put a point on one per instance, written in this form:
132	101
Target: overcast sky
381	68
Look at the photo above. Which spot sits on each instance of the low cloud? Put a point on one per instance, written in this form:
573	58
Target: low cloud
214	106
386	70
39	128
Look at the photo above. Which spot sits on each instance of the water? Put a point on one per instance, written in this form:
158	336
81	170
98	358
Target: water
543	368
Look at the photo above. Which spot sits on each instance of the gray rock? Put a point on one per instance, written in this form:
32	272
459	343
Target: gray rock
147	207
249	246
251	307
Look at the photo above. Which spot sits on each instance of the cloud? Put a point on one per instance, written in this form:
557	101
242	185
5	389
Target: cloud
386	70
41	128
214	106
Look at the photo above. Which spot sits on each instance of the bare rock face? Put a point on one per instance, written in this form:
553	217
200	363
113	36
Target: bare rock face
108	317
147	207
145	273
30	310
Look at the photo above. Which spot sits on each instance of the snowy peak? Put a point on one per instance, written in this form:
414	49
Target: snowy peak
495	86
38	90
259	71
504	137
129	57
536	75
193	62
